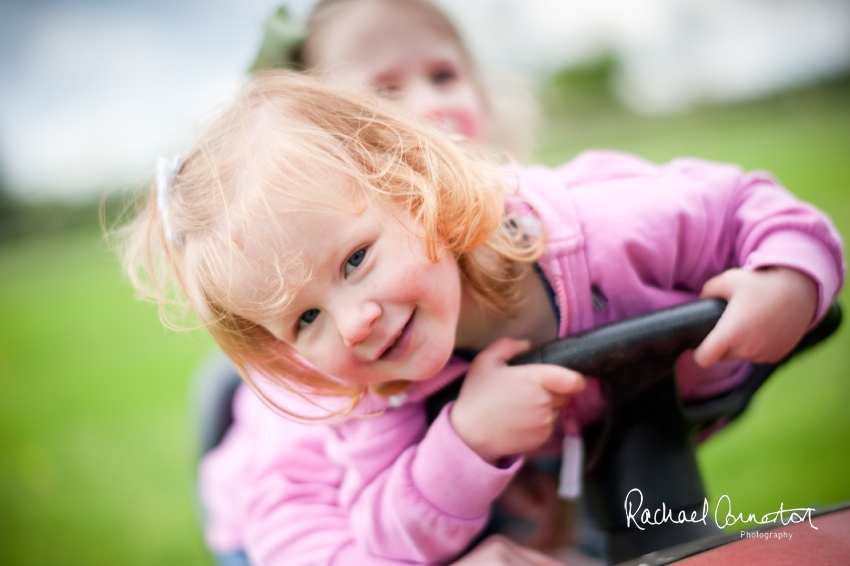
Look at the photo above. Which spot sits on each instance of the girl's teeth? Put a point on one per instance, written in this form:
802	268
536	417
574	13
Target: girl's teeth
396	339
397	336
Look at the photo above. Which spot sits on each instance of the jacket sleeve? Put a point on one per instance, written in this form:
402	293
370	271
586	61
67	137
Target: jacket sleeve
653	235
675	226
768	226
381	490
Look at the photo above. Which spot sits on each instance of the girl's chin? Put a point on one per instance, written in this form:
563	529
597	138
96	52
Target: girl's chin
418	368
435	362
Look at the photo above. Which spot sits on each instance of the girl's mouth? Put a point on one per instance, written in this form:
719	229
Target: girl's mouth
397	348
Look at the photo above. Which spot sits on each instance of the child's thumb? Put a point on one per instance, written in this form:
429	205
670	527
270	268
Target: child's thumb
720	285
502	350
714	347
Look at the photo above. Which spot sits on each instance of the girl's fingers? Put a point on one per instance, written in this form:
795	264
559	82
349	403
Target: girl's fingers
714	347
554	379
561	382
502	350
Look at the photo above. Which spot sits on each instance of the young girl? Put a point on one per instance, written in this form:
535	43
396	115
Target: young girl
340	254
408	53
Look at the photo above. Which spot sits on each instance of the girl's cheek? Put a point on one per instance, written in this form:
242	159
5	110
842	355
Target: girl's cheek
469	117
469	125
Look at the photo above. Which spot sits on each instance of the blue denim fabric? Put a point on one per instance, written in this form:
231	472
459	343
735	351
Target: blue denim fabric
235	558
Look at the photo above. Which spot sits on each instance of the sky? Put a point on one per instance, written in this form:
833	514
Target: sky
92	91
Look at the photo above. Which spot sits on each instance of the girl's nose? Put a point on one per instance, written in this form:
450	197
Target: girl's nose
356	323
426	101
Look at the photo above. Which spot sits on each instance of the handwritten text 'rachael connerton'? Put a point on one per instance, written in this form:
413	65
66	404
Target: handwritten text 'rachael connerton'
723	515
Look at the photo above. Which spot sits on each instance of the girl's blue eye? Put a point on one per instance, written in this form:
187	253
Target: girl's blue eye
354	260
308	317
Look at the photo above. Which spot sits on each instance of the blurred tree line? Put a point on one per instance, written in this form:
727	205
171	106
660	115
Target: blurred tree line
20	218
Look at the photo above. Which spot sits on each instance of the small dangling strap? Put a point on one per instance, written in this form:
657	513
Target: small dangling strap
572	466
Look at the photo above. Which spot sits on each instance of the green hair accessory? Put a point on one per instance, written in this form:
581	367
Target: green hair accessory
282	40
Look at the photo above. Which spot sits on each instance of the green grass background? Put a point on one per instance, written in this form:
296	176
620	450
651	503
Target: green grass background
96	451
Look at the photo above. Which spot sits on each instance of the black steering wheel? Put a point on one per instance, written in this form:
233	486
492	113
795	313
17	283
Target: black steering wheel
646	438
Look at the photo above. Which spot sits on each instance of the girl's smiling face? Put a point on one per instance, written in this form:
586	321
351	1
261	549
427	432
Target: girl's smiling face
375	309
396	53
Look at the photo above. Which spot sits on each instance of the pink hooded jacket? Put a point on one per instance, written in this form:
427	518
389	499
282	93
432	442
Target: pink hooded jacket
623	237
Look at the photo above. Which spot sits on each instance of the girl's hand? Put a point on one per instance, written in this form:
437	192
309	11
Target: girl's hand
769	310
499	551
505	410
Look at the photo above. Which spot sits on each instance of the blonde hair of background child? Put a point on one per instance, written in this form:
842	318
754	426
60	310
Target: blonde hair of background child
270	154
510	108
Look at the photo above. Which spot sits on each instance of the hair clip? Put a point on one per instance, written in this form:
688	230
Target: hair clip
166	171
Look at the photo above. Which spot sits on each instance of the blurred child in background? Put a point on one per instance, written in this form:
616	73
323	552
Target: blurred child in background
410	53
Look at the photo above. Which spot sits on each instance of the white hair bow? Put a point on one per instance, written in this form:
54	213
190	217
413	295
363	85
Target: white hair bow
166	171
